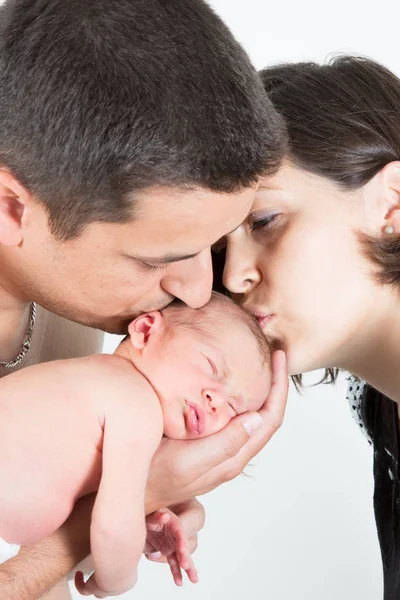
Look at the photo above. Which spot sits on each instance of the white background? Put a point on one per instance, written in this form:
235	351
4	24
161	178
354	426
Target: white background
302	527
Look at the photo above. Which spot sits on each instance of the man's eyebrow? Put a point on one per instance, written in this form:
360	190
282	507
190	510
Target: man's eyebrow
167	258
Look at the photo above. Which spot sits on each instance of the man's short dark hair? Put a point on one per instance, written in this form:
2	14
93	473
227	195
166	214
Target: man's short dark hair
102	98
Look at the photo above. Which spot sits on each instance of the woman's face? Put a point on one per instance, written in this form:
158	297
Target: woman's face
297	264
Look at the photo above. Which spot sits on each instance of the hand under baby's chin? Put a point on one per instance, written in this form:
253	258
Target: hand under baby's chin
174	433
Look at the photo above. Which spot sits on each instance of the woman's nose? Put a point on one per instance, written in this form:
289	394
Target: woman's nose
240	274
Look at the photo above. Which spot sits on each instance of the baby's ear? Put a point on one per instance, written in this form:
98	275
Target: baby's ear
144	327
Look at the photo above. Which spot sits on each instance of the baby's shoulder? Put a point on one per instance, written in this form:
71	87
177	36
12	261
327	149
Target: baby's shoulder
108	369
117	380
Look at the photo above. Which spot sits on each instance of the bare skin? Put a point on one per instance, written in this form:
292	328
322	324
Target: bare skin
301	240
116	426
48	561
167	261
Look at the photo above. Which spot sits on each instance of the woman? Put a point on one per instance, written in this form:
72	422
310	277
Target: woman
318	259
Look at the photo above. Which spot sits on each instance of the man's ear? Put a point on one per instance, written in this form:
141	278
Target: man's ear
144	327
14	199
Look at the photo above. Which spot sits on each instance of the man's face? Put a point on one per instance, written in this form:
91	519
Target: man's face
113	272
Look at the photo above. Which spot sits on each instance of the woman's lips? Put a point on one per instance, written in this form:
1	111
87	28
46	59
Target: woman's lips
262	318
195	418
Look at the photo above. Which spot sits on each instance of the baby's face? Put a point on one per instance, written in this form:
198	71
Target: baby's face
205	381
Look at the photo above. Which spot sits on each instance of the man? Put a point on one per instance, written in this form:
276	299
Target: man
132	136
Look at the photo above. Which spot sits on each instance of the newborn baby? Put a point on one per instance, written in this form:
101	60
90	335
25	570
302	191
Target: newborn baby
181	373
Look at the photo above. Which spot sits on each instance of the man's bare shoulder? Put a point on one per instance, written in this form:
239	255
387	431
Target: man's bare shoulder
66	339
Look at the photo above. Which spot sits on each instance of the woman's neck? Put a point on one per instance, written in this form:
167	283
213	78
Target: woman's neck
375	354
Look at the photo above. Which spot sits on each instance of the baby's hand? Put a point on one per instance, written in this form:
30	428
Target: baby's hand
91	587
165	535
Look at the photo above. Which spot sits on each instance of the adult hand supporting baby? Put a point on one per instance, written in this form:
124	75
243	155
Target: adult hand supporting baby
180	470
183	469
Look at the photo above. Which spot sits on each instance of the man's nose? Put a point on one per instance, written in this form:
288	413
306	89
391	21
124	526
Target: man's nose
191	280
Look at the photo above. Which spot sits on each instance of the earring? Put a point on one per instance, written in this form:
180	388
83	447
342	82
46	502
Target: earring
389	229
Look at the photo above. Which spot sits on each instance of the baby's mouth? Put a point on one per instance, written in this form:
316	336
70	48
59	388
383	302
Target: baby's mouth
195	418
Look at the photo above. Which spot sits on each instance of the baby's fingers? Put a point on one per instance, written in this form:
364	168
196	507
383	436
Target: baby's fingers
175	569
176	529
156	520
89	588
187	564
80	584
153	554
192	574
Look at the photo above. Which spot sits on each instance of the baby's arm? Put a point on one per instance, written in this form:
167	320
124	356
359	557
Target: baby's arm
166	534
132	432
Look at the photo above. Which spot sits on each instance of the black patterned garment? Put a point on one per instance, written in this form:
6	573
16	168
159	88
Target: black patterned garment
378	417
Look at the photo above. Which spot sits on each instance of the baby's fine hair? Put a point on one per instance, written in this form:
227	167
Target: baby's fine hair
219	307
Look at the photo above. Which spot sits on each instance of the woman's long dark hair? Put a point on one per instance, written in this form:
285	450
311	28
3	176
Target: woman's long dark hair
343	123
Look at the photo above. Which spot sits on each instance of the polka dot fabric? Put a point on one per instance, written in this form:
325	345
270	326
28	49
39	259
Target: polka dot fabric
355	389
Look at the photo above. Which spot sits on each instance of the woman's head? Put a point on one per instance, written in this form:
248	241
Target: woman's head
314	255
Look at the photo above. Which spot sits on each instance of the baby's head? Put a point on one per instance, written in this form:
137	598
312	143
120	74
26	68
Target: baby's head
206	365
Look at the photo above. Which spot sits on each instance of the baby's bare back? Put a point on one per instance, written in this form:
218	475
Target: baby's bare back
50	443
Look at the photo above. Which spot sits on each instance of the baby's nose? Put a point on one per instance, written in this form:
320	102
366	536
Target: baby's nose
213	400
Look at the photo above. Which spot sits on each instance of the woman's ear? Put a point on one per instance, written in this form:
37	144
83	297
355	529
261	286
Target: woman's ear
14	199
145	327
392	217
381	197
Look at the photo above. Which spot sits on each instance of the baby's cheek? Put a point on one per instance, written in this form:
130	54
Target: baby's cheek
215	425
173	429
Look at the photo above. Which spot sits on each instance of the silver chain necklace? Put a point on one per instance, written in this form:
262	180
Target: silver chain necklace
26	346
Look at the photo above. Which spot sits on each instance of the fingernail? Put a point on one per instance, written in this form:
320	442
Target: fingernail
252	422
153	555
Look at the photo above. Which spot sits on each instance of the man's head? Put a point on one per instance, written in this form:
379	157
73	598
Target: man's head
110	111
206	365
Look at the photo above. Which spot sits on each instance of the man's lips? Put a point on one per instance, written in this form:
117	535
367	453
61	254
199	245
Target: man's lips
262	318
195	417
